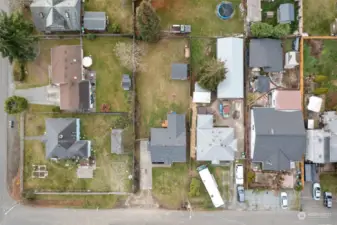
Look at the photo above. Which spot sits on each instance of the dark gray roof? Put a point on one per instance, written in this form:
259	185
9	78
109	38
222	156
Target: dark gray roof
179	71
116	141
84	94
286	13
262	84
280	138
266	53
56	15
168	145
126	82
63	139
94	21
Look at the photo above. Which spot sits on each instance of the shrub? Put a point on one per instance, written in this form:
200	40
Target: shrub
320	78
91	37
15	104
19	71
56	109
261	30
281	30
194	188
114	28
29	195
250	176
148	22
320	91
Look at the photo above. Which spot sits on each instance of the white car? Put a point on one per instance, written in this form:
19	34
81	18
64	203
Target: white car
284	200
316	191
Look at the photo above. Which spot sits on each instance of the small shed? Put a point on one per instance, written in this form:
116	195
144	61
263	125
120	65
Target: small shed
116	141
262	84
202	97
315	104
95	21
286	13
126	82
179	71
291	60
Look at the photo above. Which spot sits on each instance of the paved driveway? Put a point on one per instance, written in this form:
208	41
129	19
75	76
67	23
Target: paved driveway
46	95
311	205
145	167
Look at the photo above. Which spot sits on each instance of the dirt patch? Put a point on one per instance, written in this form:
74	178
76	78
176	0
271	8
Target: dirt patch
15	191
331	100
291	78
316	47
159	4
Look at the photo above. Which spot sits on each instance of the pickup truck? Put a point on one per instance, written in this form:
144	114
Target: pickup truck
180	29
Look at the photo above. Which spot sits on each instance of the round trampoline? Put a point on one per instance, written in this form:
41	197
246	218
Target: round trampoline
225	10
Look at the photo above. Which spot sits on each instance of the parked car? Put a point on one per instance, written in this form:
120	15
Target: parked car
180	29
11	123
284	200
241	193
327	199
239	174
316	191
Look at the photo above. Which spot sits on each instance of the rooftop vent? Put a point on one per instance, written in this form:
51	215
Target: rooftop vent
41	15
60	136
67	14
271	131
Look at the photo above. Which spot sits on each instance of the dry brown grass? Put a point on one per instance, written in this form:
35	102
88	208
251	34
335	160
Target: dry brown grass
157	93
34	124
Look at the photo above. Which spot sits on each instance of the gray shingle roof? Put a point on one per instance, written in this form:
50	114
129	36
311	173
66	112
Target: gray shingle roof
56	15
266	53
280	138
168	145
214	143
126	82
94	21
179	71
262	84
63	139
286	13
84	94
116	141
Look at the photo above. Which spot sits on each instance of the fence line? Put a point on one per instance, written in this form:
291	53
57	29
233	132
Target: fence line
83	193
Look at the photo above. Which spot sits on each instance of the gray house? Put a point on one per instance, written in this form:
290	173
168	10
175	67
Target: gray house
63	139
168	145
278	138
116	141
95	21
56	15
179	71
214	144
267	54
286	13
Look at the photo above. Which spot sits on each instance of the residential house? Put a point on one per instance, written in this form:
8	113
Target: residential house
56	15
116	141
230	51
286	100
201	95
215	144
278	138
254	11
95	21
66	72
286	13
168	145
63	139
179	71
267	54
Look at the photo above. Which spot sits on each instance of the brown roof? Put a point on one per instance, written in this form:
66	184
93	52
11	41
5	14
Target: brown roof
66	62
69	96
288	100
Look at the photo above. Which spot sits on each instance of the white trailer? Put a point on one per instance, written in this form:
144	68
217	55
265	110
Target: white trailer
211	186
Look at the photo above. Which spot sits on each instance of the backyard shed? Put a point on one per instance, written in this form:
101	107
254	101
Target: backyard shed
315	104
202	97
291	60
126	82
286	13
95	21
230	50
262	84
116	141
179	71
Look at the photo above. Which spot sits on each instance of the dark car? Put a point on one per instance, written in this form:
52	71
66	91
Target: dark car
327	199
11	123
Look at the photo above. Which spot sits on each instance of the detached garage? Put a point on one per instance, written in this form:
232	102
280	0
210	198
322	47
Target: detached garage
230	51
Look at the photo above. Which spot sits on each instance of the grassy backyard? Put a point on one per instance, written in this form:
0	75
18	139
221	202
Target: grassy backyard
109	73
201	14
112	170
329	182
118	11
201	48
317	16
38	74
156	92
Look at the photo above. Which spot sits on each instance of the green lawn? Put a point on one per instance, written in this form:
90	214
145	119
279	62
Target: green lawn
201	14
201	49
329	182
38	69
112	170
317	16
109	73
288	44
118	11
156	92
170	185
35	108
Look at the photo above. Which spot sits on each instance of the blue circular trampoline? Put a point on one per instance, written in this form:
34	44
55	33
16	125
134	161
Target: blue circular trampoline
225	10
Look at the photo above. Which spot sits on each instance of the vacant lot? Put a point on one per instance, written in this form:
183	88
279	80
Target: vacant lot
109	73
157	93
38	73
112	170
317	16
201	14
170	185
329	182
118	11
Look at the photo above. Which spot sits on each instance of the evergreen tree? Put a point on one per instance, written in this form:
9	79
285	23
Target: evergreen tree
148	22
211	74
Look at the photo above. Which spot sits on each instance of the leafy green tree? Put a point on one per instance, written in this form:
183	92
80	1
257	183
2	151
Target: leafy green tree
320	78
16	37
194	187
148	22
15	104
320	91
261	30
211	74
281	30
